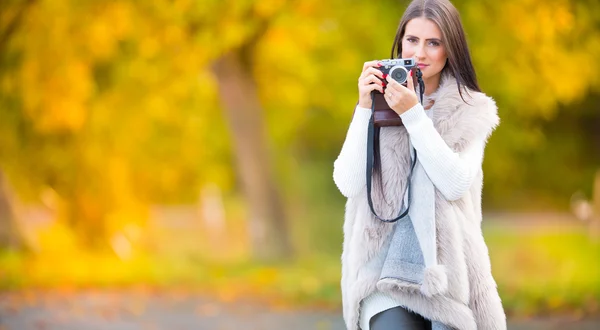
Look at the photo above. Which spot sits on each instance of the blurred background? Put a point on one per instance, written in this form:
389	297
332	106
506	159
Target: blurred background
180	150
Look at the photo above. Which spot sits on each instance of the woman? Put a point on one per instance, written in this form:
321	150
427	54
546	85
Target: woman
431	269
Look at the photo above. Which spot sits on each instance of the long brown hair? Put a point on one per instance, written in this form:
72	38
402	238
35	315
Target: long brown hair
447	18
459	64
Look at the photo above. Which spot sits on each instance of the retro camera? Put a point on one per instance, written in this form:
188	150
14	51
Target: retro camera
398	69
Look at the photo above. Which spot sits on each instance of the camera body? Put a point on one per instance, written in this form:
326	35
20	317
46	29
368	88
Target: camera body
398	68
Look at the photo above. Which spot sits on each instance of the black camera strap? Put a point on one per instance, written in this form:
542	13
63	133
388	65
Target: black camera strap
371	155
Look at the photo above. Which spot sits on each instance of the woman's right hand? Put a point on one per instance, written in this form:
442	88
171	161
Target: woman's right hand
370	79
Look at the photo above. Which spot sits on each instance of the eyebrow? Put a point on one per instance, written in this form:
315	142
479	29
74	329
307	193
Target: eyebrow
411	36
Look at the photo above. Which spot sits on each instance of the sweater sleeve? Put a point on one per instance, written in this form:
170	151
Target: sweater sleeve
452	173
349	169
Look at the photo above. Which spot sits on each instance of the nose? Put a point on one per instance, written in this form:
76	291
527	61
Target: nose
419	52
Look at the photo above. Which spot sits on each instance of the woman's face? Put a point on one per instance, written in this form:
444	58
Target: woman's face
423	41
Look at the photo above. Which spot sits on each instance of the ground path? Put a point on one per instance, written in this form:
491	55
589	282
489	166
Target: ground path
177	310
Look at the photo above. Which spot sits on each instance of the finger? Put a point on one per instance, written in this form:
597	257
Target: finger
372	79
409	81
374	71
371	88
374	87
370	64
370	71
391	83
388	98
389	91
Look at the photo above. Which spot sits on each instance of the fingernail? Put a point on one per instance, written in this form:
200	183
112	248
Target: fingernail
411	73
384	75
379	64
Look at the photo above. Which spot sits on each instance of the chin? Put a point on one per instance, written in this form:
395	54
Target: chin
427	74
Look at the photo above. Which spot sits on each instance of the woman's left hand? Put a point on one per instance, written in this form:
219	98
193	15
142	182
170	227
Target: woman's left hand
398	97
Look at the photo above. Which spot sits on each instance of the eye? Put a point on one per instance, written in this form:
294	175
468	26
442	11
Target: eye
411	40
434	43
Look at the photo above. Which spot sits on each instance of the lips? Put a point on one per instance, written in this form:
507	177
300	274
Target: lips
421	65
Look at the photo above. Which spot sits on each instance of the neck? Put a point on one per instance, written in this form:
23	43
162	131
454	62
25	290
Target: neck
432	84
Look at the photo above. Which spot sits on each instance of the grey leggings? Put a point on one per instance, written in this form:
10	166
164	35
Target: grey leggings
398	318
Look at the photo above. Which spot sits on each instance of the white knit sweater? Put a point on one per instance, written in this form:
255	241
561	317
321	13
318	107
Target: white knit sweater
450	173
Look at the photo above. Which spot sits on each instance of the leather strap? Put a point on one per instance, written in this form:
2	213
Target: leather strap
371	153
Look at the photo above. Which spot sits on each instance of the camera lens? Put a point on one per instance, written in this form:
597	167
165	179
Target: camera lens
399	74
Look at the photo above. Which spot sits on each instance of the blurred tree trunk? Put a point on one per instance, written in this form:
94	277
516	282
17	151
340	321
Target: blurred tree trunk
238	94
86	217
86	205
10	237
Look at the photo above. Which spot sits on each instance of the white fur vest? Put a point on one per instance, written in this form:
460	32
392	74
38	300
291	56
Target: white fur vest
466	296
